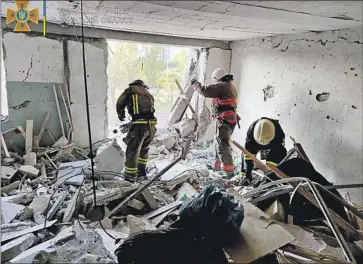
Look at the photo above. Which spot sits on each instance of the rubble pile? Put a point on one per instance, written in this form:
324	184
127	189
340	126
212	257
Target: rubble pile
47	193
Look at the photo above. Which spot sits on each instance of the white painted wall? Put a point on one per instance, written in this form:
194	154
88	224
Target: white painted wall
299	67
33	59
96	65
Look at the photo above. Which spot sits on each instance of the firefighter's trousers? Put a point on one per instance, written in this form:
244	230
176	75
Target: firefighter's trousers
224	151
138	141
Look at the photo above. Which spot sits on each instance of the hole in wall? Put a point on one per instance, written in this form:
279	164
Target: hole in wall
322	97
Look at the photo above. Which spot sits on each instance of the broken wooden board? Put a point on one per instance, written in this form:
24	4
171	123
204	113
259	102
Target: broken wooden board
4	147
29	136
13	131
161	210
259	234
12	235
42	129
181	106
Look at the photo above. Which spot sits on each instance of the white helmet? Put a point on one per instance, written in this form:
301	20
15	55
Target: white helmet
218	74
264	131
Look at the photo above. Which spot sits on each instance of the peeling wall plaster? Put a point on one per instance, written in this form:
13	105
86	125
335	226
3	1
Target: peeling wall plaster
302	67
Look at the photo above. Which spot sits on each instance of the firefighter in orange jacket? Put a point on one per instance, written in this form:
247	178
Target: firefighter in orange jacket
224	95
140	105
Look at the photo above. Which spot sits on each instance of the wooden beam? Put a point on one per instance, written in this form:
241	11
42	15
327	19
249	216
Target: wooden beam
29	136
42	129
3	144
13	131
267	168
59	111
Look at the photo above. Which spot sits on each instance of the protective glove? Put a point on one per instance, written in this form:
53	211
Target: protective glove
121	117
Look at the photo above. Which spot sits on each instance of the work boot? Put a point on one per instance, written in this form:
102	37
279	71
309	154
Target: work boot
141	173
128	177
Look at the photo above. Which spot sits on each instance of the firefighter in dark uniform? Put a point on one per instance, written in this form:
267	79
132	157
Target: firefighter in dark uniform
140	106
267	136
224	95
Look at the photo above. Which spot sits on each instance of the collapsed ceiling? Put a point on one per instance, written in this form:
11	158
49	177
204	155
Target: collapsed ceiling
227	20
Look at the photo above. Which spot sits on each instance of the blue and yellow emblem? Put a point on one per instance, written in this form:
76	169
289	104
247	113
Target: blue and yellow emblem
22	15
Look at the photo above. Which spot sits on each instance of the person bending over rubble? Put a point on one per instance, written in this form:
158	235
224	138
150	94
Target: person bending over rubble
224	95
267	136
140	106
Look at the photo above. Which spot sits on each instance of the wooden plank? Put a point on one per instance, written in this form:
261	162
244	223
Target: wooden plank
42	129
67	112
149	198
50	134
11	235
5	148
59	111
29	136
267	168
161	210
13	131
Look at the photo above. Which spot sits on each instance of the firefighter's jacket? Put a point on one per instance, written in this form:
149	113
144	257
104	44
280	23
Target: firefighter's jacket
224	100
139	103
273	152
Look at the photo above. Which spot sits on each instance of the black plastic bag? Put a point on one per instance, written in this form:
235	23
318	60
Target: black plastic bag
213	213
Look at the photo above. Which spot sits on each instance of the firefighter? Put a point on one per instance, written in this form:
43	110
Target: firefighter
224	95
140	105
267	136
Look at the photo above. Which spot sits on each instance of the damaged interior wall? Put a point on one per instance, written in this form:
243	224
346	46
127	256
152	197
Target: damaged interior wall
312	83
34	63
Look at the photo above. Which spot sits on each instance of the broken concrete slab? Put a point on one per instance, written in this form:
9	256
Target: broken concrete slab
139	224
29	170
15	247
256	233
7	173
170	140
136	204
57	204
41	190
26	214
12	235
149	198
61	142
185	127
113	184
30	159
311	242
111	158
81	245
28	255
186	192
9	211
176	171
72	172
40	204
21	198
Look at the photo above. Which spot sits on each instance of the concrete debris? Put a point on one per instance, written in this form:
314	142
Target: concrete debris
138	224
54	185
186	192
29	255
110	159
170	140
29	170
185	127
30	159
9	211
7	173
16	246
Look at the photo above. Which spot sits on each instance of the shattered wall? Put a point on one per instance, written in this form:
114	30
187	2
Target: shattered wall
312	83
33	63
